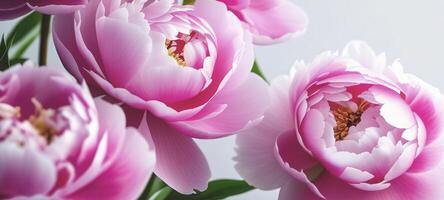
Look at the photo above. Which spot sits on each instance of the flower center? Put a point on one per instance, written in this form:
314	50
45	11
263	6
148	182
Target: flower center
176	47
345	118
40	120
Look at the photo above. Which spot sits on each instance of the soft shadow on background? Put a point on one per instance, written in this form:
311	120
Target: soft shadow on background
410	30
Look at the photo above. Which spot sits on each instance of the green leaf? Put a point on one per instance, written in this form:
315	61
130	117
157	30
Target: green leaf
218	189
4	54
188	2
23	28
257	70
162	194
23	46
15	61
154	185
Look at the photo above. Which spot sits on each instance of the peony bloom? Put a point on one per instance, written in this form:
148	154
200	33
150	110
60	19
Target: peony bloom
270	21
348	127
10	9
57	143
181	72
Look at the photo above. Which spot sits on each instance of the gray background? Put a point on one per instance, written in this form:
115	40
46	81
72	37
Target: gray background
407	29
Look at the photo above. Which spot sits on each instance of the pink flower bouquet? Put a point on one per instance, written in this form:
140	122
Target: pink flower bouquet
143	80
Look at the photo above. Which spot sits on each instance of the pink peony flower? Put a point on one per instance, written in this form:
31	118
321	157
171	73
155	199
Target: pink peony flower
182	72
348	127
270	21
57	143
10	9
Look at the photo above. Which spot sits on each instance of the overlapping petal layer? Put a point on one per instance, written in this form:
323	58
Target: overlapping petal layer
353	126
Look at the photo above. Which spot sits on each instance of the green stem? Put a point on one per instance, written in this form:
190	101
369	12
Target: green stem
188	2
154	185
44	38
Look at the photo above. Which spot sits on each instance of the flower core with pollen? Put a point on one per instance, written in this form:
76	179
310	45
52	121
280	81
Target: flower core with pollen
176	47
41	121
346	118
188	50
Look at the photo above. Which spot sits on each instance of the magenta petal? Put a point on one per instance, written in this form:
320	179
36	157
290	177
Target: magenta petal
245	104
54	7
6	14
430	157
426	102
292	190
292	154
63	34
128	173
133	116
408	186
10	5
180	162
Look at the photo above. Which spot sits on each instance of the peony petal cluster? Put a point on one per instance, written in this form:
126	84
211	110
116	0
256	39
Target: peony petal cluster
10	9
56	142
270	21
180	72
348	126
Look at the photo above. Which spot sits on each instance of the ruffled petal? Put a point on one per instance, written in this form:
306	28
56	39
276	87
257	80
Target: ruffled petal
274	24
256	146
127	174
240	112
180	162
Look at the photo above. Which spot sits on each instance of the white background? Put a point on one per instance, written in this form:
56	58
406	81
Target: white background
407	29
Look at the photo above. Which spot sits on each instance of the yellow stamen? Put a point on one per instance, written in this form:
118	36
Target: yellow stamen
345	118
172	53
39	121
180	61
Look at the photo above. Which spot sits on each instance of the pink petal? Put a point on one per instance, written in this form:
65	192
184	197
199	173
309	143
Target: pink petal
408	186
364	54
156	9
128	173
237	116
255	155
25	171
158	108
354	175
312	129
276	23
292	190
429	158
67	50
180	162
236	4
404	162
394	109
168	84
232	37
134	45
291	153
426	102
256	146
